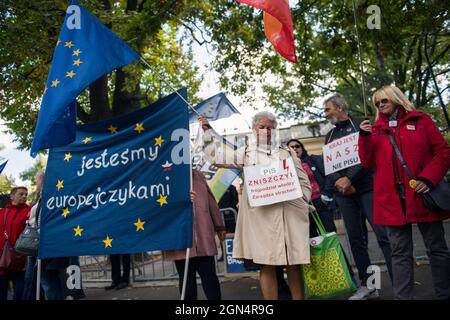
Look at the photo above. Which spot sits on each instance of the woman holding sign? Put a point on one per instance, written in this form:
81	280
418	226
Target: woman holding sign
272	227
400	130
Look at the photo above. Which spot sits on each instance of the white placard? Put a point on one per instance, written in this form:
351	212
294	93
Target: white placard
341	153
272	183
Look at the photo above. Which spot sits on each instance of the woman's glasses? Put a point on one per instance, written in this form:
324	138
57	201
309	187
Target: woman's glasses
296	146
383	101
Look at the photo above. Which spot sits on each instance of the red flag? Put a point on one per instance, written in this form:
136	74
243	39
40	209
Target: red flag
277	25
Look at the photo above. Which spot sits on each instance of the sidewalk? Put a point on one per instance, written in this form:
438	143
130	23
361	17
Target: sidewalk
248	288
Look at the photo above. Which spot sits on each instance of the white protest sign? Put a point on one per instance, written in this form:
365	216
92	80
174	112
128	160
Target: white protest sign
341	153
273	183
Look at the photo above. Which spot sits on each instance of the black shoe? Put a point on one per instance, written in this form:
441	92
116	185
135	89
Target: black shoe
79	294
122	285
111	286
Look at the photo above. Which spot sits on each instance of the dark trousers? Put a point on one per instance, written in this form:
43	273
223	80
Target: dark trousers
52	282
326	216
17	280
29	287
433	235
352	207
206	268
115	268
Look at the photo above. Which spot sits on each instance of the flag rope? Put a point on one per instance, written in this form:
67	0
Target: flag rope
363	82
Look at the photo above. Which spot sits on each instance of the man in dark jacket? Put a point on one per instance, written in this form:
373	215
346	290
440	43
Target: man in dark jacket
353	190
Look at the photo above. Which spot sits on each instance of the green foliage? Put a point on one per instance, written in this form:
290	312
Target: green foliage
6	183
28	34
30	173
327	51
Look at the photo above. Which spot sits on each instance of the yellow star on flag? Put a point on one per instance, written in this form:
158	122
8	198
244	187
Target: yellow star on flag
112	129
60	185
65	212
139	224
159	141
68	44
77	62
87	139
139	127
55	83
78	231
76	52
70	74
108	242
162	200
67	156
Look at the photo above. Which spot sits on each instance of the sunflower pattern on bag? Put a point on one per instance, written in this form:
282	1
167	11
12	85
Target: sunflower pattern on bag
325	275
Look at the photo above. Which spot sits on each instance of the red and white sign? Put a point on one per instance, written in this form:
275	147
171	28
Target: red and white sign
273	183
341	153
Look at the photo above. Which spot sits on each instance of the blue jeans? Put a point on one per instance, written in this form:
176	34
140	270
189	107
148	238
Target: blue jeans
29	288
352	207
52	283
17	280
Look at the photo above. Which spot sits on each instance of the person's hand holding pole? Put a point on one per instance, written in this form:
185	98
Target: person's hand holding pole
366	126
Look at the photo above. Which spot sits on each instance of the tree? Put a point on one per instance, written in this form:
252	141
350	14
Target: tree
29	31
6	184
327	51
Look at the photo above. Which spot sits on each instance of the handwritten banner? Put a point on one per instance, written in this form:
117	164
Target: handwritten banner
271	184
341	153
121	187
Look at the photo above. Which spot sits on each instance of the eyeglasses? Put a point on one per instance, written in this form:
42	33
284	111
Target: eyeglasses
383	101
296	146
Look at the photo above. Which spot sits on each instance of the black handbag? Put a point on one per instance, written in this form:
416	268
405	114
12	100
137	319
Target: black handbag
28	241
438	198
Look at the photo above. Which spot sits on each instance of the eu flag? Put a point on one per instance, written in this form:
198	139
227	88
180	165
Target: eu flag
86	50
121	187
214	108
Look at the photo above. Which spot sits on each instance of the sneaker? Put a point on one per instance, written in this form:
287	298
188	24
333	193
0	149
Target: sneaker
365	293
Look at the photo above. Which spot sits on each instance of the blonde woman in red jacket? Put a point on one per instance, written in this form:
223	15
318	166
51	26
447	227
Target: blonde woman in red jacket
397	203
15	214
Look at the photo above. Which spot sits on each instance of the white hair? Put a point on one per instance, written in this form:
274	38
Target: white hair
264	114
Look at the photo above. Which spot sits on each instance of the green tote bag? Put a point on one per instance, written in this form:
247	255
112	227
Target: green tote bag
327	276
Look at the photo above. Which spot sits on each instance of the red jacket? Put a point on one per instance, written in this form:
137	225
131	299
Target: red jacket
426	154
16	216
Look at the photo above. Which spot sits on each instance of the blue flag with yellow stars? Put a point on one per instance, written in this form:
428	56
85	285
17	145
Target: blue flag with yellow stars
122	186
214	108
85	51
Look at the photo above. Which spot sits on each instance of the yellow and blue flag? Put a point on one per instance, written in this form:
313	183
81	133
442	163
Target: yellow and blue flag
85	51
122	186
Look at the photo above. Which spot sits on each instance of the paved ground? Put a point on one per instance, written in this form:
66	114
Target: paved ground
245	289
248	288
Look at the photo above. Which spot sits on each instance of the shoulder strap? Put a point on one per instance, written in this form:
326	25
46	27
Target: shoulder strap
38	211
399	155
4	225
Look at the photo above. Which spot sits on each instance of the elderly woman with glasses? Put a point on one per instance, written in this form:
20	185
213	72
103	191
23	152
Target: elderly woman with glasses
397	202
271	235
322	188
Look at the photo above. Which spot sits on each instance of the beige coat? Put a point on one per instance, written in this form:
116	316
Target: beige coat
276	234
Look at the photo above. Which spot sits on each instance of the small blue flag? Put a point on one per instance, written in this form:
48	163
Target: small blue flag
86	50
214	108
121	187
2	166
